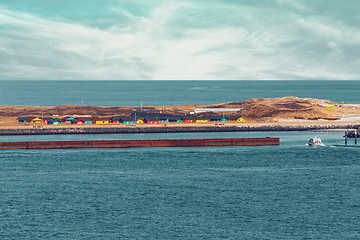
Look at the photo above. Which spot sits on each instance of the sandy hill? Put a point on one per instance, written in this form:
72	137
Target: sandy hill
290	108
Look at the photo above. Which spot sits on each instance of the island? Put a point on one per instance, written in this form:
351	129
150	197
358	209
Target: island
255	114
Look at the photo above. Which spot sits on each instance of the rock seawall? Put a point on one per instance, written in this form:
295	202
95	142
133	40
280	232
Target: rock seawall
138	129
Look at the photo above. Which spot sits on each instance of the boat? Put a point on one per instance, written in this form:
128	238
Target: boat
315	141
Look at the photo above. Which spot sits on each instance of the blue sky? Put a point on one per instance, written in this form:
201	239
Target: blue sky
185	40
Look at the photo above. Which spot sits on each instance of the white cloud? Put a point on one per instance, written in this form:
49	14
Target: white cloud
240	43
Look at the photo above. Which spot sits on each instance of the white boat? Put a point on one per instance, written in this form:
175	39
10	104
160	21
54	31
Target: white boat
315	141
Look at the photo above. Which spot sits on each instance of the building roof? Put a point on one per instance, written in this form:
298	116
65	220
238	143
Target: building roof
201	118
116	118
128	119
22	118
188	117
152	118
54	120
47	118
217	117
174	118
29	118
235	117
102	119
146	114
201	110
86	118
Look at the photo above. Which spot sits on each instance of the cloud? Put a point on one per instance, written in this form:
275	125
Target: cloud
179	40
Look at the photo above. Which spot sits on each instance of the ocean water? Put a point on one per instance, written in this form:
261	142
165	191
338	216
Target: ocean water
290	191
158	93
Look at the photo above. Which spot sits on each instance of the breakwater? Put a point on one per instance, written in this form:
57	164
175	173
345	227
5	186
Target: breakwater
141	143
141	129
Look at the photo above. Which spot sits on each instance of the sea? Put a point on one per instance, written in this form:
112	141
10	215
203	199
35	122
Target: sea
289	191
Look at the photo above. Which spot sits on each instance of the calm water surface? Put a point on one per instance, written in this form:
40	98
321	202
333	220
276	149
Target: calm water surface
291	191
158	93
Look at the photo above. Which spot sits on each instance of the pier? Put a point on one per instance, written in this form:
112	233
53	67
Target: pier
351	134
141	143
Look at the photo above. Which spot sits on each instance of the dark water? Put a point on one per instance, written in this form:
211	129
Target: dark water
158	93
291	191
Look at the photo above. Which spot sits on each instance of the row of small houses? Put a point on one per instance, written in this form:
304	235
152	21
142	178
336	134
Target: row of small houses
134	118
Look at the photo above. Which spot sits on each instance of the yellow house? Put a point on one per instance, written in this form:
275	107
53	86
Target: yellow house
202	120
36	120
140	121
237	119
242	119
101	121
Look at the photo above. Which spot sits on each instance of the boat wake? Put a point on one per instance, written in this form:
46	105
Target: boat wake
315	141
319	144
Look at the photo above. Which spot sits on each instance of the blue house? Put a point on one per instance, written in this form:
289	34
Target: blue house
68	120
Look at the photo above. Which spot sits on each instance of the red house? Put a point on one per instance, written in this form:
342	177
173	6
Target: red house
152	120
188	119
77	121
87	120
46	120
116	119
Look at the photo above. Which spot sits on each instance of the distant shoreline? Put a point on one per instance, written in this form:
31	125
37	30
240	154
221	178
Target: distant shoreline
255	114
175	129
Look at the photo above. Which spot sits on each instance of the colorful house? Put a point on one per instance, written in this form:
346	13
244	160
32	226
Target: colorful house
202	119
77	121
87	120
237	119
101	120
68	120
36	120
54	122
218	119
144	116
152	120
140	121
164	117
28	119
46	120
127	120
116	120
21	119
188	119
175	119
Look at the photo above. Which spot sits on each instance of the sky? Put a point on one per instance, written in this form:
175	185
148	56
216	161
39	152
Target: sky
179	40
